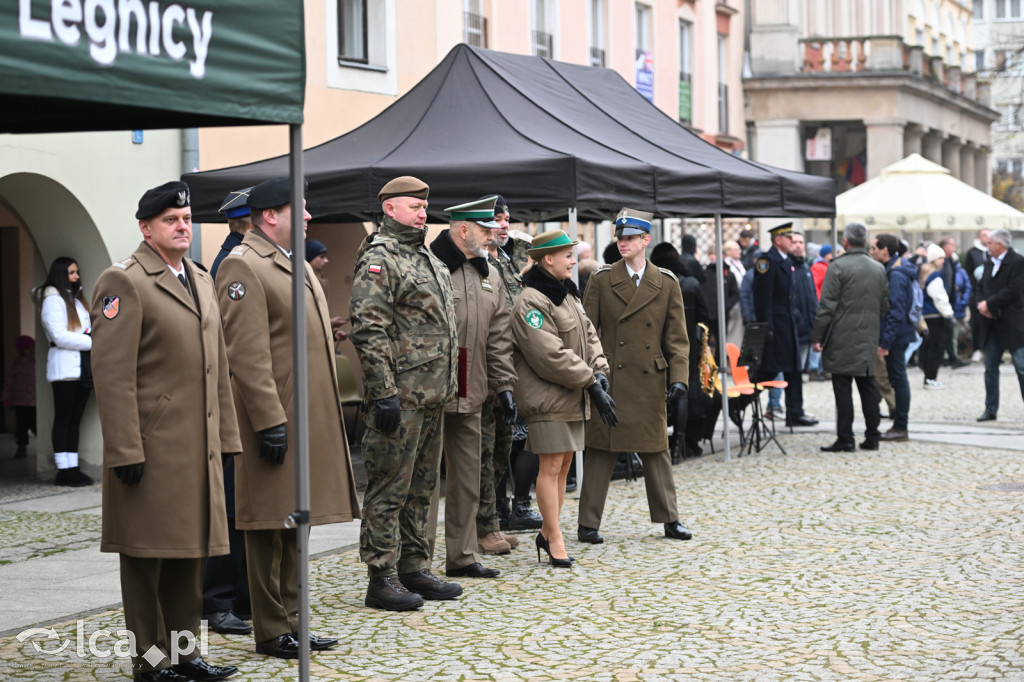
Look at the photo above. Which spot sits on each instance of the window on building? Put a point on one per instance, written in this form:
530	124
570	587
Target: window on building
597	32
979	9
685	72
723	89
979	59
1008	9
919	36
644	40
353	39
544	28
474	23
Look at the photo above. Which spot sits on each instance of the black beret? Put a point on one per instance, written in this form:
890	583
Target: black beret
173	194
273	193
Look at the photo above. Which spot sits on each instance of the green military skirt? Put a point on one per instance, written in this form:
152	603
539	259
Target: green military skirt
552	437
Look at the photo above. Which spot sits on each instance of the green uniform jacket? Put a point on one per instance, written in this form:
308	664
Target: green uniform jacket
161	377
643	333
254	284
403	319
556	356
854	299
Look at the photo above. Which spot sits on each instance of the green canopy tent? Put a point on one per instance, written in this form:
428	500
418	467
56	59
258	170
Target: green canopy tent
88	65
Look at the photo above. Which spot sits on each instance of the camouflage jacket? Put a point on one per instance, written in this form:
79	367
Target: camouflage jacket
403	319
510	276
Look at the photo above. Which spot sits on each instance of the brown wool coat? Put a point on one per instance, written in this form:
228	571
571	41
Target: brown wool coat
161	378
254	287
643	333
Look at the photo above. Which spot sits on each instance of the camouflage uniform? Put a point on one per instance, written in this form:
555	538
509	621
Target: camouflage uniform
403	328
496	435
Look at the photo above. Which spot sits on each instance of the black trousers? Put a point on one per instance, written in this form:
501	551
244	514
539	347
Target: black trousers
69	398
842	385
225	581
24	421
933	347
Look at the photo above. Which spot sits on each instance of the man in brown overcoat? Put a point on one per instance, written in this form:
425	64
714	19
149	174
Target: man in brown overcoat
254	287
161	379
637	309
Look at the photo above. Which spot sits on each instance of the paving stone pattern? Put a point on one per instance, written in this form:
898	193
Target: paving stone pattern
887	565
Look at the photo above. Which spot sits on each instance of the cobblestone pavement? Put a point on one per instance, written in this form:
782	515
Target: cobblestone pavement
900	564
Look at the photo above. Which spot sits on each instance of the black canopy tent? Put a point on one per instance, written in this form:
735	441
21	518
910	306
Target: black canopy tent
557	140
554	136
147	66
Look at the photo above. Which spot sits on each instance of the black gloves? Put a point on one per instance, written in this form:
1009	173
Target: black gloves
274	444
509	409
603	380
130	474
604	404
387	414
677	391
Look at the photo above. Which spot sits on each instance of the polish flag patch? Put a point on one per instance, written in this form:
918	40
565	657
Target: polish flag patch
375	269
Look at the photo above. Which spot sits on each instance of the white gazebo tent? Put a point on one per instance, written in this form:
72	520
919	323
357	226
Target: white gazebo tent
916	195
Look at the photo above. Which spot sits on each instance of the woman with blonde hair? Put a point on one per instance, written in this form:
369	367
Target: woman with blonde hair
65	318
562	370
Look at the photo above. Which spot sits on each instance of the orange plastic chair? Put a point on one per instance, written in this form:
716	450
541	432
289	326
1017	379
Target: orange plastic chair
759	434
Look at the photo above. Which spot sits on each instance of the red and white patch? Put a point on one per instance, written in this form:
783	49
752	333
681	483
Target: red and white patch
236	290
111	306
375	269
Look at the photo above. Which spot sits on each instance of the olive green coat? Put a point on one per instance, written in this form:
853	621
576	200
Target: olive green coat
854	299
254	285
161	379
643	333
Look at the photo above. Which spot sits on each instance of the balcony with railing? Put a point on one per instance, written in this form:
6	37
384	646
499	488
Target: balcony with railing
543	44
474	29
863	54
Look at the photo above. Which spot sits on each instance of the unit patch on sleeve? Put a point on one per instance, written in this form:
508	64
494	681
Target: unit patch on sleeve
236	290
375	269
111	306
762	265
534	318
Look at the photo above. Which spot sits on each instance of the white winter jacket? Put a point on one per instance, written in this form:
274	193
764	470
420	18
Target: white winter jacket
64	361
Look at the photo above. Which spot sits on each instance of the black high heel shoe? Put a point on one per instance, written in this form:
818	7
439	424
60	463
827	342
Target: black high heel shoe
542	543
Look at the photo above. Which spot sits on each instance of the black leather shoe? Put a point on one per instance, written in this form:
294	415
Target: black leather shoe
585	534
869	444
895	435
429	586
802	420
165	675
387	592
987	416
319	643
838	446
473	570
227	623
198	669
677	531
283	646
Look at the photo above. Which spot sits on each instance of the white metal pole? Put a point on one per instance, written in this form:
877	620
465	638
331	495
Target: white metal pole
723	361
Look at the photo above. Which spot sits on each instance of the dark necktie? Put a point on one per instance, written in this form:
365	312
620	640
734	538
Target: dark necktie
184	283
636	279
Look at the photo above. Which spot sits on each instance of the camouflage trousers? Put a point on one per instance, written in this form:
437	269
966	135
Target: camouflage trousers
495	446
401	474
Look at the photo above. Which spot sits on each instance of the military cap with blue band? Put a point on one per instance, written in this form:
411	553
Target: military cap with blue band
480	212
234	205
155	201
273	193
631	221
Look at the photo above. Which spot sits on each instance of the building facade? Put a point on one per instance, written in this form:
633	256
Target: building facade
998	46
845	89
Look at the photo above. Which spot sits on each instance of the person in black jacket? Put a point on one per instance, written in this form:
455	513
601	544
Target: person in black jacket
1001	304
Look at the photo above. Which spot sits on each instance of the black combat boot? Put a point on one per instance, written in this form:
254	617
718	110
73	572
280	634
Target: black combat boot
523	517
504	512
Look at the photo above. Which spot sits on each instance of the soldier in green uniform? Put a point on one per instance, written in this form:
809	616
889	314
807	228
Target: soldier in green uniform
404	331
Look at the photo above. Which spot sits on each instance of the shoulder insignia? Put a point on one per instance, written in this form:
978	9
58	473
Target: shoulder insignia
237	251
374	268
111	306
126	263
236	291
603	268
669	273
534	318
762	265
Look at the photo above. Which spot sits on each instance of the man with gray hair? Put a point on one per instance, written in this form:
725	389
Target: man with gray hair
854	298
1001	305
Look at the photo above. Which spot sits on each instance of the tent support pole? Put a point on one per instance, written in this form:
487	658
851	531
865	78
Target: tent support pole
573	231
723	362
299	519
835	237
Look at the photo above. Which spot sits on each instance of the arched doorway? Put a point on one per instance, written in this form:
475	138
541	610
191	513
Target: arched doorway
40	219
